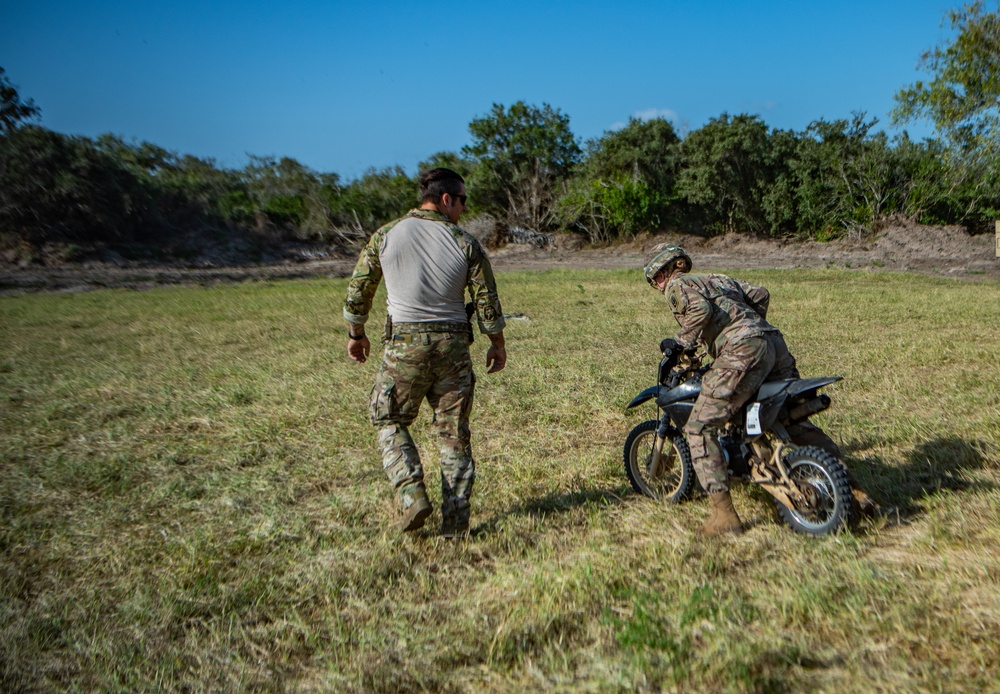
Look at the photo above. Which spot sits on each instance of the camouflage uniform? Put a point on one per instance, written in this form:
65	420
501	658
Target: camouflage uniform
727	316
426	358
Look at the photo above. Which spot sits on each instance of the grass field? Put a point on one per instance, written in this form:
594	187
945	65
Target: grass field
192	499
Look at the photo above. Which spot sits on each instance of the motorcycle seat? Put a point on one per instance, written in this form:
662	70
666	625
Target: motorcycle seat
772	388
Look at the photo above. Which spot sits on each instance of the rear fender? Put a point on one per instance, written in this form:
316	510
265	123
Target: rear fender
767	404
773	394
803	385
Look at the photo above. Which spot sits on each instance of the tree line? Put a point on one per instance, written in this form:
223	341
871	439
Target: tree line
525	167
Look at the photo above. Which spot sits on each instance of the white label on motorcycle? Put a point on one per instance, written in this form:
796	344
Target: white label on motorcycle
753	420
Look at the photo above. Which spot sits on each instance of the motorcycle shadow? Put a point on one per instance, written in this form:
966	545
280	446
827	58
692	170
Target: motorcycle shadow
947	463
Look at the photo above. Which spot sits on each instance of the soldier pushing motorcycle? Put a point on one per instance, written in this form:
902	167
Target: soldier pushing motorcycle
728	318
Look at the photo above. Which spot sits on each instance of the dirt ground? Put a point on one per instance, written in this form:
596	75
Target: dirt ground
899	247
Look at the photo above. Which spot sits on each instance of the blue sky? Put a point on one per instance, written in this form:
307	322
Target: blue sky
345	86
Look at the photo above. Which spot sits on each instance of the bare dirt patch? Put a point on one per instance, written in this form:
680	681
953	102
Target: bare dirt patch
899	247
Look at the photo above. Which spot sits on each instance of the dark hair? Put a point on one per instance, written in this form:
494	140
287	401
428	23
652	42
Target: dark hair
437	182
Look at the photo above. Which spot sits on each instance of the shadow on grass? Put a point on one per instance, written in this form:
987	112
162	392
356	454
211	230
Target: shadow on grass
940	464
560	502
555	503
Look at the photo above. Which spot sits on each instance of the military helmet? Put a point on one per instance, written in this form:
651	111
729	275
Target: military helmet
665	256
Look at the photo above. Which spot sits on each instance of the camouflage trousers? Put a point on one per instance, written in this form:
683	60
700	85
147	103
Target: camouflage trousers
735	376
435	366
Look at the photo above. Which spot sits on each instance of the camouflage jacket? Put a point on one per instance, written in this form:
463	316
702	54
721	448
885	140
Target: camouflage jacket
433	287
716	310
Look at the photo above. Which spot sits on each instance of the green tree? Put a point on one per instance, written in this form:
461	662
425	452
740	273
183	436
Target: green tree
290	198
846	177
449	160
962	100
605	209
366	203
523	156
735	172
626	182
643	149
13	111
55	187
927	193
182	192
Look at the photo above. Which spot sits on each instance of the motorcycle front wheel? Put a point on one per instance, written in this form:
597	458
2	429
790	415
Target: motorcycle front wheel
824	480
675	474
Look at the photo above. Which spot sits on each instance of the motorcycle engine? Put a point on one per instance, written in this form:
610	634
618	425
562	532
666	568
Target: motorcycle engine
736	455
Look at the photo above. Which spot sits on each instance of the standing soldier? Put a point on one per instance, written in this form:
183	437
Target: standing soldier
728	316
428	261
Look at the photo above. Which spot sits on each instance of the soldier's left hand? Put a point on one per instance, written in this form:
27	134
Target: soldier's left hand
496	359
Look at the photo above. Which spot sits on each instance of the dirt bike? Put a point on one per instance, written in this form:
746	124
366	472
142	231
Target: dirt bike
810	487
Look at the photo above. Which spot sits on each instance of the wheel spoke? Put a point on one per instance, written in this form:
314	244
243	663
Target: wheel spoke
673	475
819	489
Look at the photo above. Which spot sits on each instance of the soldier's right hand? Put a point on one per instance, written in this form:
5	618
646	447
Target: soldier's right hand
358	350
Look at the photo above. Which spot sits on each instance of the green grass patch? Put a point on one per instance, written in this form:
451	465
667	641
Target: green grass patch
192	498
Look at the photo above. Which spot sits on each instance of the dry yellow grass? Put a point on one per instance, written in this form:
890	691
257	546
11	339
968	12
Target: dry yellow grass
192	499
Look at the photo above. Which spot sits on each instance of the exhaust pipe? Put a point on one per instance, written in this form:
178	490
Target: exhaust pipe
808	408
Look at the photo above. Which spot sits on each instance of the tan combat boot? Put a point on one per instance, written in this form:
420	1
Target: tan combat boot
416	513
723	519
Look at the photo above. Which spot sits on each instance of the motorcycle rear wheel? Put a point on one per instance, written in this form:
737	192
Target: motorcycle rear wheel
827	480
675	476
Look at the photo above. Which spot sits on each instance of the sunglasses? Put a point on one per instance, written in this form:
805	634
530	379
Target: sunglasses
462	198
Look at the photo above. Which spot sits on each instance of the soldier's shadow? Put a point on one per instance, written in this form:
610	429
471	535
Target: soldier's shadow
946	463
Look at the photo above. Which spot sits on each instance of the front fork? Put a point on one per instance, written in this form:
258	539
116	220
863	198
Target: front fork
663	432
